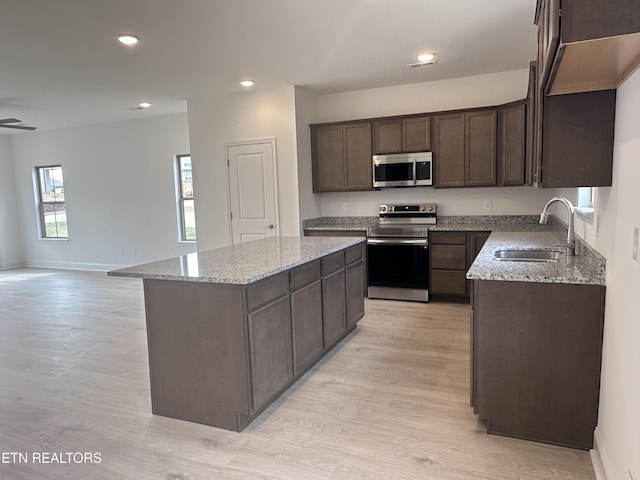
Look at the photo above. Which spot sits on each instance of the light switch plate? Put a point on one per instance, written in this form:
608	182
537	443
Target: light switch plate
636	254
487	205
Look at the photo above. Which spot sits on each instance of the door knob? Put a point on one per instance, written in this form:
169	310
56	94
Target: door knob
270	226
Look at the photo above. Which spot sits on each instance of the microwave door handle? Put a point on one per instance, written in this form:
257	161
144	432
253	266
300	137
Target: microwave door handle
414	172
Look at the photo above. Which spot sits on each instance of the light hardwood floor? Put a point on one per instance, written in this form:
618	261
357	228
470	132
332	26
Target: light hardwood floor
390	402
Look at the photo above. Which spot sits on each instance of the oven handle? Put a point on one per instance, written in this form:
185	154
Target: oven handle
398	241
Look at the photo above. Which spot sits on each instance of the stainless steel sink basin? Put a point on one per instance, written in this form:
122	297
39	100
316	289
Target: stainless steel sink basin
526	255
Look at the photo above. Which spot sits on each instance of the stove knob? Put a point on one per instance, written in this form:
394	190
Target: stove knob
430	209
383	209
422	208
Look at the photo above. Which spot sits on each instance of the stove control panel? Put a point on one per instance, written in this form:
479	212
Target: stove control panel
407	210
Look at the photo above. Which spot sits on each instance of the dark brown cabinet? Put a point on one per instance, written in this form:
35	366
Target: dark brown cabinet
447	263
341	156
450	256
356	284
396	135
512	144
270	353
577	139
536	356
465	148
306	315
608	31
333	298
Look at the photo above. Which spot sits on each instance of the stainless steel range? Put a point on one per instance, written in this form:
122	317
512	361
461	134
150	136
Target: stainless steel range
398	252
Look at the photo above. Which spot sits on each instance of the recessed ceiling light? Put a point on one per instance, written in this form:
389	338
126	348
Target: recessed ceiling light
128	39
426	57
144	104
247	83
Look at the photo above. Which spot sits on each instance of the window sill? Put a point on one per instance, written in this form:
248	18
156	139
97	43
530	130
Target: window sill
188	242
585	213
53	239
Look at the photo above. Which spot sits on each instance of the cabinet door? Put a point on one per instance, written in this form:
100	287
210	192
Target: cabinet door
480	158
333	307
448	282
416	134
355	293
387	136
511	145
306	321
531	112
358	172
475	242
577	144
449	150
270	350
328	158
448	257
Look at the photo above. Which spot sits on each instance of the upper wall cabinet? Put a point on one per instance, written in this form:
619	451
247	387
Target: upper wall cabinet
398	135
512	121
341	156
577	139
586	45
464	146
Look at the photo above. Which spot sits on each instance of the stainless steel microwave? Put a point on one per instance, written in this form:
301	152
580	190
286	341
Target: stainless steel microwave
402	170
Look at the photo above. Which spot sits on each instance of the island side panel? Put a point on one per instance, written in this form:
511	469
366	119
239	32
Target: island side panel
197	351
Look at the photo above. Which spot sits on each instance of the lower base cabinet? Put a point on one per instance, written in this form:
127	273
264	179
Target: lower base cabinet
536	356
269	350
306	324
333	307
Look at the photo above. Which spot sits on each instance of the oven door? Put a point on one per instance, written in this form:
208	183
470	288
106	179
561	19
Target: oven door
398	268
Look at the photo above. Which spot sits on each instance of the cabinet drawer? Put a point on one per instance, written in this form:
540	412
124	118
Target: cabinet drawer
449	238
448	257
267	290
332	263
448	282
353	254
304	275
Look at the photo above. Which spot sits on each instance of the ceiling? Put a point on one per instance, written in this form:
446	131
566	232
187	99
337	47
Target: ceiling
61	66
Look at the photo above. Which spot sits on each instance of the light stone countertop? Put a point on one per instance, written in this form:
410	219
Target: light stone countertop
243	263
507	231
587	267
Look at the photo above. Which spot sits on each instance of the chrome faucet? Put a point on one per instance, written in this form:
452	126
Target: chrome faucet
571	243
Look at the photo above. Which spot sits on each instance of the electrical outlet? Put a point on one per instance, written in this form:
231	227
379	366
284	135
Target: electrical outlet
636	246
487	204
345	206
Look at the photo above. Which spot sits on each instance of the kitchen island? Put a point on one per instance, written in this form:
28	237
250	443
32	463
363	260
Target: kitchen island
232	328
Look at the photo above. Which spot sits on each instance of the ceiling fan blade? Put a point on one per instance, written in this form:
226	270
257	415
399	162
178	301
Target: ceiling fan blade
18	127
9	120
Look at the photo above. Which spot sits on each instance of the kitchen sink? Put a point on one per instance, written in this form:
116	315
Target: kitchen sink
526	255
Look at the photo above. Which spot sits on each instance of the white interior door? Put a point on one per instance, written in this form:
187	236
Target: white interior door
252	190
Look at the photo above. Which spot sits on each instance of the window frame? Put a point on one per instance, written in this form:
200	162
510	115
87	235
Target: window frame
41	202
181	198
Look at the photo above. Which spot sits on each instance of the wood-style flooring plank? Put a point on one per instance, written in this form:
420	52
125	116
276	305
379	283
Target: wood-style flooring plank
390	402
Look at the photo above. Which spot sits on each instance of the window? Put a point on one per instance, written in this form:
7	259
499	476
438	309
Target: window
51	206
184	193
585	197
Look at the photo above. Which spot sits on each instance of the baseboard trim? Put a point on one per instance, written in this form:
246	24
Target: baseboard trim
11	265
599	460
95	267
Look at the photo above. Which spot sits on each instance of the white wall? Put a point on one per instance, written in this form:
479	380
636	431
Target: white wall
119	188
468	92
10	244
618	431
306	114
245	116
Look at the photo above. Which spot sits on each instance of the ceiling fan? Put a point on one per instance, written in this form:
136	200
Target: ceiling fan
9	123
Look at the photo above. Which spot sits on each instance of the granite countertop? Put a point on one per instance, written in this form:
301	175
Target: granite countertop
587	267
243	263
507	231
340	223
